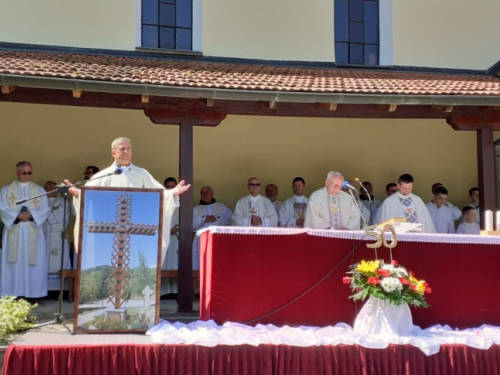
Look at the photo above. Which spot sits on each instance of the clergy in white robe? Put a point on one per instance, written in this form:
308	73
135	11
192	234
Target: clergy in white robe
131	176
208	213
254	209
406	205
24	263
272	194
331	208
54	227
293	211
441	215
368	200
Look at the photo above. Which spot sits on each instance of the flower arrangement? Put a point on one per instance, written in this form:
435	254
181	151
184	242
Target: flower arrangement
391	282
15	315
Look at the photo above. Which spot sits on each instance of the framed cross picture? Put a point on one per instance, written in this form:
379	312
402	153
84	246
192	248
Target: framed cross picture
119	260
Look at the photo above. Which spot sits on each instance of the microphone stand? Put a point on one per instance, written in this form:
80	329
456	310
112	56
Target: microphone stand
63	190
357	205
369	198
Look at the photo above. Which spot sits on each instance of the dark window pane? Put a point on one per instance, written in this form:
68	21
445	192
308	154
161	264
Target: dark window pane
341	20
356	10
167	37
150	11
184	13
371	54
342	53
183	39
356	54
371	22
167	1
150	36
167	15
356	32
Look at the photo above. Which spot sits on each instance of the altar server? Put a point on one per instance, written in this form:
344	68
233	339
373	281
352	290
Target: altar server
405	204
470	224
331	208
208	213
441	214
24	255
254	209
293	210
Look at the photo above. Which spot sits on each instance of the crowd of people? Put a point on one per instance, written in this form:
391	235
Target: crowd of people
33	239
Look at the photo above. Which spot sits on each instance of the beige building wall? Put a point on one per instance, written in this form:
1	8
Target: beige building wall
61	141
108	24
460	34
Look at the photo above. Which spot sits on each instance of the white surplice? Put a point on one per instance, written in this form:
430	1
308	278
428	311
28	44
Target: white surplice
223	215
134	177
259	206
468	228
319	211
53	228
442	218
291	210
417	212
20	278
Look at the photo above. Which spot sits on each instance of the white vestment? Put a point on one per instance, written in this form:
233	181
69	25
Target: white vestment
277	206
26	275
392	207
469	228
134	177
171	262
200	212
53	228
320	212
258	206
456	212
292	209
442	218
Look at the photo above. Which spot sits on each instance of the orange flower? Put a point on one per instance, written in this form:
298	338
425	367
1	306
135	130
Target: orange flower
373	280
383	273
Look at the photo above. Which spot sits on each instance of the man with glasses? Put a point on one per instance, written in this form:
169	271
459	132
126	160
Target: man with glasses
24	266
90	171
331	208
391	188
254	209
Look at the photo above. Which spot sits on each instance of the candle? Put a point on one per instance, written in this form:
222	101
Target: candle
488	220
498	220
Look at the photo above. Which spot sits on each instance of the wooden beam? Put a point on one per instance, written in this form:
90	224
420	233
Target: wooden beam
144	98
392	108
210	102
486	172
443	108
482	120
77	94
200	115
7	89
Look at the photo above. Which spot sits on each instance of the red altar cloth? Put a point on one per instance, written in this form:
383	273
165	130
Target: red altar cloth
132	359
286	279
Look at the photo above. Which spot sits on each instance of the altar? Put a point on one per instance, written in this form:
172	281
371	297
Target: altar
294	276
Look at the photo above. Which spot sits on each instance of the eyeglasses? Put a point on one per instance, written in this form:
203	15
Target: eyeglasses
253	185
85	173
26	173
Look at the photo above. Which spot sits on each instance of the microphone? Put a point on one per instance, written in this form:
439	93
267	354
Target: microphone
347	185
363	187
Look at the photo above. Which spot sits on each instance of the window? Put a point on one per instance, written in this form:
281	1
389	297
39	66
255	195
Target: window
167	24
357	32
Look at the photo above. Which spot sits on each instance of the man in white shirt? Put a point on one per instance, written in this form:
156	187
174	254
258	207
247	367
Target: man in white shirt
405	204
441	214
292	213
272	195
367	199
254	210
208	213
331	208
24	262
457	213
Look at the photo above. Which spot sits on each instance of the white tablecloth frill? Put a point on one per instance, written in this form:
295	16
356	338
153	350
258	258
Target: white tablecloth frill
208	333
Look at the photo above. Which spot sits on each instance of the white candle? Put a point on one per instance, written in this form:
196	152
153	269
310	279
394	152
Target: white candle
498	221
488	220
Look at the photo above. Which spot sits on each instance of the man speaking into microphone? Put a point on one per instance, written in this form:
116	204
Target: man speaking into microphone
122	173
331	208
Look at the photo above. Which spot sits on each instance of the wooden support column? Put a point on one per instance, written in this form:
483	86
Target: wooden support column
186	117
185	280
486	172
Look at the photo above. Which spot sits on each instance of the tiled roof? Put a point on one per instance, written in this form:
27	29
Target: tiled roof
200	74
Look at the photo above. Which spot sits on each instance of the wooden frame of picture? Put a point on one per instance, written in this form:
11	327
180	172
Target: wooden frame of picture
117	286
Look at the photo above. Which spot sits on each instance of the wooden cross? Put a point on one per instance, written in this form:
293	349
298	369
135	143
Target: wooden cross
120	256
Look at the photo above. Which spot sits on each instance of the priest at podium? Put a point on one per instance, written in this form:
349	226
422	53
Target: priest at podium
405	204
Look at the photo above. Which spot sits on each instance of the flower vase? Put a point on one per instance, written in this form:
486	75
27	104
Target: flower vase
379	317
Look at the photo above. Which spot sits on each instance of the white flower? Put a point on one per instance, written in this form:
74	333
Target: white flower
390	284
395	271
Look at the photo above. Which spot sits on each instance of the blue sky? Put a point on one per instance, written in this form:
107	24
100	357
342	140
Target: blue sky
101	206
